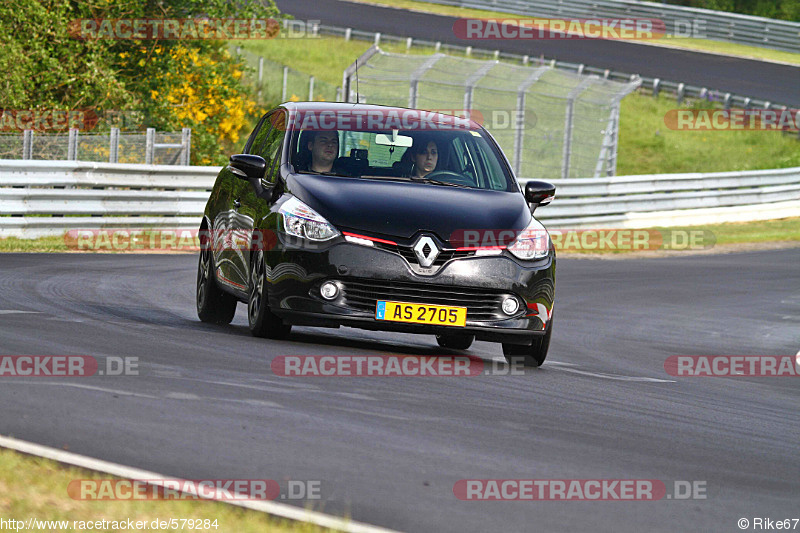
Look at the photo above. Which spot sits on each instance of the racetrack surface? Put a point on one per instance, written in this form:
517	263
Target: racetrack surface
206	404
774	82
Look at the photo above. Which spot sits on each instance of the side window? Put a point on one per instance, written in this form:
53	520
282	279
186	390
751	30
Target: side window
269	145
261	135
461	159
258	133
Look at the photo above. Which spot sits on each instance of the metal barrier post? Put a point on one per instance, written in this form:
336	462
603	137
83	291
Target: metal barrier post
417	74
519	127
473	79
149	146
311	88
285	81
568	123
113	146
186	146
72	145
27	144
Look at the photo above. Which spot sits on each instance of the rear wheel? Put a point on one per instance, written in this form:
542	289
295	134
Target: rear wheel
262	321
455	341
213	305
533	354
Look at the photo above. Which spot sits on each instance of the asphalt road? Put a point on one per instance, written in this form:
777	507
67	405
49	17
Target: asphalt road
774	82
389	450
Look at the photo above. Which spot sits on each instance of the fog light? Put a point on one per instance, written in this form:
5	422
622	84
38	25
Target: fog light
510	306
329	290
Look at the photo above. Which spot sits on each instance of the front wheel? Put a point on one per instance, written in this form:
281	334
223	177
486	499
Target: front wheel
213	305
532	355
262	321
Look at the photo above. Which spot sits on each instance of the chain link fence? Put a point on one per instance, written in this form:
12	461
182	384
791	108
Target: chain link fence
278	83
551	123
150	147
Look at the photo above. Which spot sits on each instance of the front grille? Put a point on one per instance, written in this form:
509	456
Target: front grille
481	304
444	255
407	252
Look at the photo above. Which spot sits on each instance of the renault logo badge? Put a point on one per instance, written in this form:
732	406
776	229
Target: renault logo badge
426	251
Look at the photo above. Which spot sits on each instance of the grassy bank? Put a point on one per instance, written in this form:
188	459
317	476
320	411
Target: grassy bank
646	145
31	487
713	238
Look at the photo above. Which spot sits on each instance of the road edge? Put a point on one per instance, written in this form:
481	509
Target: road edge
272	508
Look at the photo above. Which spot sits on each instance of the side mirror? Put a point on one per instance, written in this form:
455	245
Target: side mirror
247	167
538	193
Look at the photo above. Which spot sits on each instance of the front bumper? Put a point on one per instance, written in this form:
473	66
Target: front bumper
365	275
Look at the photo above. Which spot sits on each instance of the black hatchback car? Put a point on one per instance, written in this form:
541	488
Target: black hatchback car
378	218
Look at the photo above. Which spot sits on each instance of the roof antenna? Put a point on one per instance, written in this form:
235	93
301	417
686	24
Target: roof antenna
358	98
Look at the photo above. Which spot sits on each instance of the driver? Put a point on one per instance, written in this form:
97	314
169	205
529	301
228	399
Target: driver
321	151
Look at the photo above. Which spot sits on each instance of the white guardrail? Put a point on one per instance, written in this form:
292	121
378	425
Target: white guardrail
679	20
39	198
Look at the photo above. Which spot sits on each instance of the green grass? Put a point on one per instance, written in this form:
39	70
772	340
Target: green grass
325	57
686	239
31	487
705	45
787	229
43	244
646	145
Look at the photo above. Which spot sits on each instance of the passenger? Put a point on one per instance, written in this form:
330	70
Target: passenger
423	156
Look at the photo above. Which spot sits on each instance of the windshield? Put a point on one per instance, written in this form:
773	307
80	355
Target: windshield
460	158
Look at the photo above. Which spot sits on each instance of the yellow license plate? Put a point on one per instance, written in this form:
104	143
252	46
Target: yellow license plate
439	315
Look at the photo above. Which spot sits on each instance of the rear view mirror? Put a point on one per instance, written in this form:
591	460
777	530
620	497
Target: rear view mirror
395	140
247	167
538	193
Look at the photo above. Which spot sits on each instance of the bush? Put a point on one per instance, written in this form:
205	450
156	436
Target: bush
166	84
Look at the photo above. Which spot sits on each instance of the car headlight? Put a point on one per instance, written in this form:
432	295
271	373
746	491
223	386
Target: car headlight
532	243
302	221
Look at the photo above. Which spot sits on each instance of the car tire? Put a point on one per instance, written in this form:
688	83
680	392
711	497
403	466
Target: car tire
262	321
213	305
531	355
455	341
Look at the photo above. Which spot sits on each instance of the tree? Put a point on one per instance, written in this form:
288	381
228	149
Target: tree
52	60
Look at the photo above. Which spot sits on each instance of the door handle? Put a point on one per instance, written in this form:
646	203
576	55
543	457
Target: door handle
237	203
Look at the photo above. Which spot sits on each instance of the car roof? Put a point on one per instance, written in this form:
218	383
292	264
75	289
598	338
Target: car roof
433	116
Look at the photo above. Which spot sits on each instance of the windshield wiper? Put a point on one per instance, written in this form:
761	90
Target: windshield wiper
438	182
392	178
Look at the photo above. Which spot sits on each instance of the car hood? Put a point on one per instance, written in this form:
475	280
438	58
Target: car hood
401	209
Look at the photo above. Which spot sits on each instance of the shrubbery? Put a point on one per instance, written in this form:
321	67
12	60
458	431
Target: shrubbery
164	84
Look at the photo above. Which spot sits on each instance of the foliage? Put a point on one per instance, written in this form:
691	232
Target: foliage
165	84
